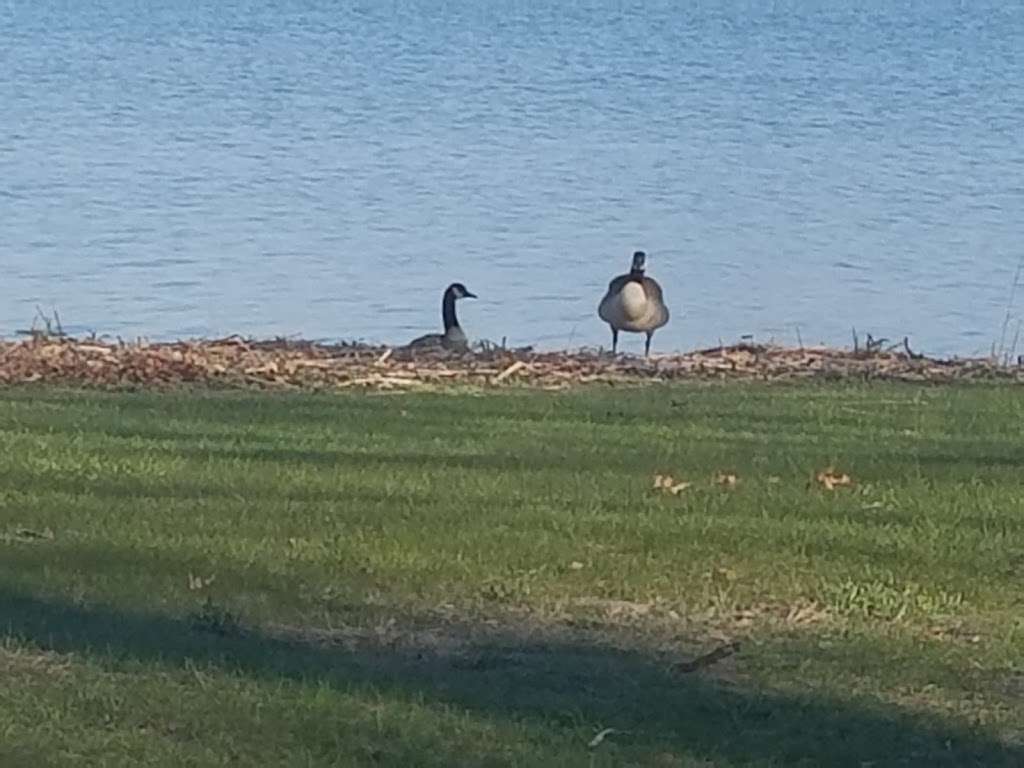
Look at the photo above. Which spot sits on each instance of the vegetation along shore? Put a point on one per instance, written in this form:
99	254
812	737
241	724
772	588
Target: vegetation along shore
290	364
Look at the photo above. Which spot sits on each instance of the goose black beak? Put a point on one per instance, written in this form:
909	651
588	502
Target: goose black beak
470	295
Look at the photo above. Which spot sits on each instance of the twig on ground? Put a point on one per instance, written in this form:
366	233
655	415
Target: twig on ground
708	659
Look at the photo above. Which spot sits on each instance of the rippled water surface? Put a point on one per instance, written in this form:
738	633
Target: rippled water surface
325	169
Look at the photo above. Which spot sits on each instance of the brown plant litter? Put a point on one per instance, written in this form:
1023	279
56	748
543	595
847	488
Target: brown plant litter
235	362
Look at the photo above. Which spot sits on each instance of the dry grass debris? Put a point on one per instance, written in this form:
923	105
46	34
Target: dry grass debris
235	362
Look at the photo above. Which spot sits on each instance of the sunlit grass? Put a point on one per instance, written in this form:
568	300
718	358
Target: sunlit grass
196	579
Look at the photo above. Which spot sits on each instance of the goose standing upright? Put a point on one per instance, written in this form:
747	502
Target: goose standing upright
453	338
634	303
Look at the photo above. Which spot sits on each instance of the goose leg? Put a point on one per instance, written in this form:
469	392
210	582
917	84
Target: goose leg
647	346
615	339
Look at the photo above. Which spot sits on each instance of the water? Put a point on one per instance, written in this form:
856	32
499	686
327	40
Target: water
325	169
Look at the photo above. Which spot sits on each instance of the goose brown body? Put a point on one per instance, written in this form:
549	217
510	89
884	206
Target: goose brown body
634	303
453	338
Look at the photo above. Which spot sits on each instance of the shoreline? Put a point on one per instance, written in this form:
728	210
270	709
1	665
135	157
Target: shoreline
235	362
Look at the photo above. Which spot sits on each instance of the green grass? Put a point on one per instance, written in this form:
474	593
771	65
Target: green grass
489	580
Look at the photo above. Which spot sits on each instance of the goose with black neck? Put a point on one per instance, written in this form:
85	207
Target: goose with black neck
454	338
634	303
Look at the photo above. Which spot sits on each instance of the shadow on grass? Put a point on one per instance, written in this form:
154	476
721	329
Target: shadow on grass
558	684
12	756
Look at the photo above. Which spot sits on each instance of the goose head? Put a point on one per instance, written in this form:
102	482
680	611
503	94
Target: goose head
639	262
459	291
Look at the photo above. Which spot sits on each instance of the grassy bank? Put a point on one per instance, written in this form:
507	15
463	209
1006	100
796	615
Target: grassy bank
302	580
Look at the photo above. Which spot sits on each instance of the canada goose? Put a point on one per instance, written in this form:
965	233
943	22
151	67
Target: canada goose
634	303
453	337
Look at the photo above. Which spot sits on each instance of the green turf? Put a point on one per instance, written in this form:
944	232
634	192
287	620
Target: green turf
490	580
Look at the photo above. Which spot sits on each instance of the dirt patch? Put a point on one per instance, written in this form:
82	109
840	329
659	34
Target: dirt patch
522	638
236	362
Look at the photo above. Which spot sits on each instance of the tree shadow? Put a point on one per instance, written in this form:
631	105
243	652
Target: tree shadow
556	682
15	755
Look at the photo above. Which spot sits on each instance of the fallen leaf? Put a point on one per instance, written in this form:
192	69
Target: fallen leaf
726	479
668	484
831	479
576	565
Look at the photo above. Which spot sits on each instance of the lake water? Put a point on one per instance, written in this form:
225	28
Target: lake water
324	169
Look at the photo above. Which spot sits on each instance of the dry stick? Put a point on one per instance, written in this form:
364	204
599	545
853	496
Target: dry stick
708	659
516	366
1013	347
595	742
1009	305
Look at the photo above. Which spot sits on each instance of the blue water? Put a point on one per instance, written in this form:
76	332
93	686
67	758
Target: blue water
325	169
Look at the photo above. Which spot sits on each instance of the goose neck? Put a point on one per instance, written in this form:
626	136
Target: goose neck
448	311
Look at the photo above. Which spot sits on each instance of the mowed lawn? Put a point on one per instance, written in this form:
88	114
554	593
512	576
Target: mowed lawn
213	579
